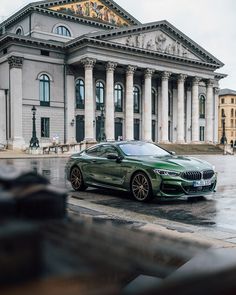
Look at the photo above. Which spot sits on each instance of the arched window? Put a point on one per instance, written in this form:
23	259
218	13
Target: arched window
79	94
19	31
202	106
153	101
44	90
63	31
100	95
119	93
136	93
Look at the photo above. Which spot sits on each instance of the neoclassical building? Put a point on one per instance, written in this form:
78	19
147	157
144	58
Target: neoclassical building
76	61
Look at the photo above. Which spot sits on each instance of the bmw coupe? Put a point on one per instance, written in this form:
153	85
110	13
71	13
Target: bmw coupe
141	168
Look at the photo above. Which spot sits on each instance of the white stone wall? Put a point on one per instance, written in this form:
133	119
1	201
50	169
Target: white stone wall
56	116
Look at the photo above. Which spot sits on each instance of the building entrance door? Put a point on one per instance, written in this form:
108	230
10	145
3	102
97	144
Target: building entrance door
136	129
79	128
118	129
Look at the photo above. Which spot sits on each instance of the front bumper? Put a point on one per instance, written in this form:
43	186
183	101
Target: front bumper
171	188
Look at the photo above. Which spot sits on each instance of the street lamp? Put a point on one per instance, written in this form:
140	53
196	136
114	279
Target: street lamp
34	142
102	135
223	138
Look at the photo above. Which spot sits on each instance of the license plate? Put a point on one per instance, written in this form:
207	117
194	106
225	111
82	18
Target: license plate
202	182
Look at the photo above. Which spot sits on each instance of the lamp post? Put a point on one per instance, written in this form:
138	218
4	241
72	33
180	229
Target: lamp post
34	142
223	138
102	135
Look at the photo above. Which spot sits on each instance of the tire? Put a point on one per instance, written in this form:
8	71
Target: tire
76	179
141	188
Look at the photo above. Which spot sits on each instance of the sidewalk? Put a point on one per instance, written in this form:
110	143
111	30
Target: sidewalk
10	154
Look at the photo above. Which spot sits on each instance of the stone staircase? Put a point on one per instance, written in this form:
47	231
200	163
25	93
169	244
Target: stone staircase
193	149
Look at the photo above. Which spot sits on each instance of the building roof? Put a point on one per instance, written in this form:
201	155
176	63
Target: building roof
47	7
227	91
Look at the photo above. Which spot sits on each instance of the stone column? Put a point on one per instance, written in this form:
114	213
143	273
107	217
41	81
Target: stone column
129	108
195	109
110	110
209	112
164	106
89	99
16	100
3	138
180	109
216	115
147	124
70	106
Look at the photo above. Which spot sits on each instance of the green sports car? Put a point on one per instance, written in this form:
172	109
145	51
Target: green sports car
144	169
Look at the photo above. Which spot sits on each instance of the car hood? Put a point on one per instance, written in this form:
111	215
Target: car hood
177	163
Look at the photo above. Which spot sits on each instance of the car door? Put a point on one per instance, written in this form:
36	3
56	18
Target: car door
104	171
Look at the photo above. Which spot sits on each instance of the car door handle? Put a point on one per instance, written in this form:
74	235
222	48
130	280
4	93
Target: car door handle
94	161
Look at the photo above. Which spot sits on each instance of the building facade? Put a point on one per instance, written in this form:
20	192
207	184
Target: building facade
75	61
227	116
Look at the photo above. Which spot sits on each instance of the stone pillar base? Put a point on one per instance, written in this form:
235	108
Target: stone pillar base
16	144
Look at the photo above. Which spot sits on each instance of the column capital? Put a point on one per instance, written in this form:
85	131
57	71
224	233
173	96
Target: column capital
182	78
148	73
111	66
210	83
15	62
130	70
196	80
88	63
217	90
165	76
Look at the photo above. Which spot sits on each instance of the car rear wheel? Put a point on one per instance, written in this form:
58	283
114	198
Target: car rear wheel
141	187
76	179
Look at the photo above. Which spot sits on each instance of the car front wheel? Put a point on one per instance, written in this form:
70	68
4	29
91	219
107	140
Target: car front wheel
141	187
76	179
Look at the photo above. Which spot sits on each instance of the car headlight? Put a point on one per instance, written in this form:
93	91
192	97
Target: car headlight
166	172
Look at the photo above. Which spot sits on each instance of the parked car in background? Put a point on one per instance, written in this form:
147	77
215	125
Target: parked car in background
141	168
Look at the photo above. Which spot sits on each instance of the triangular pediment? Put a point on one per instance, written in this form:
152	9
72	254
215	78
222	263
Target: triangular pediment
156	41
160	37
105	11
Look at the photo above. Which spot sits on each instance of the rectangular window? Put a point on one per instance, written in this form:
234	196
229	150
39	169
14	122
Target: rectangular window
222	100
232	100
45	127
202	133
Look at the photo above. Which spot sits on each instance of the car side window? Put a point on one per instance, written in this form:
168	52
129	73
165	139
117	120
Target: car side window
105	150
94	152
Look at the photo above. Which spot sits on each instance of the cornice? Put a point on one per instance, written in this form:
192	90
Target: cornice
84	41
29	40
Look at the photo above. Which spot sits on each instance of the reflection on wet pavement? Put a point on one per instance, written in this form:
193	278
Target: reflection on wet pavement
210	211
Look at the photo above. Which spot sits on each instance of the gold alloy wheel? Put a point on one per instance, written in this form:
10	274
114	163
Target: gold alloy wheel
140	186
76	179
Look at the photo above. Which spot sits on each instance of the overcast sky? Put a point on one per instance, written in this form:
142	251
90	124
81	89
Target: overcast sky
210	23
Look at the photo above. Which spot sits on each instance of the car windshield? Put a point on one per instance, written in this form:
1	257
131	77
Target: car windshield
142	149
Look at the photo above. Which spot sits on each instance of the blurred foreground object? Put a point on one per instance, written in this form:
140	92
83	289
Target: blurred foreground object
44	250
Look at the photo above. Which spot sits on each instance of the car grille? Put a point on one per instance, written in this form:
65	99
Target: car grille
192	190
197	175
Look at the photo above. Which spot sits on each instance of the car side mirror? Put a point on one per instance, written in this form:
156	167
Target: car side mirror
172	153
112	156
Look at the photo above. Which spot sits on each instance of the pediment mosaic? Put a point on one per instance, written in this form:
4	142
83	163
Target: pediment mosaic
156	41
92	9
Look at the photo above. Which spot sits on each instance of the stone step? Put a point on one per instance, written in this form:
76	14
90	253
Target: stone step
193	149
